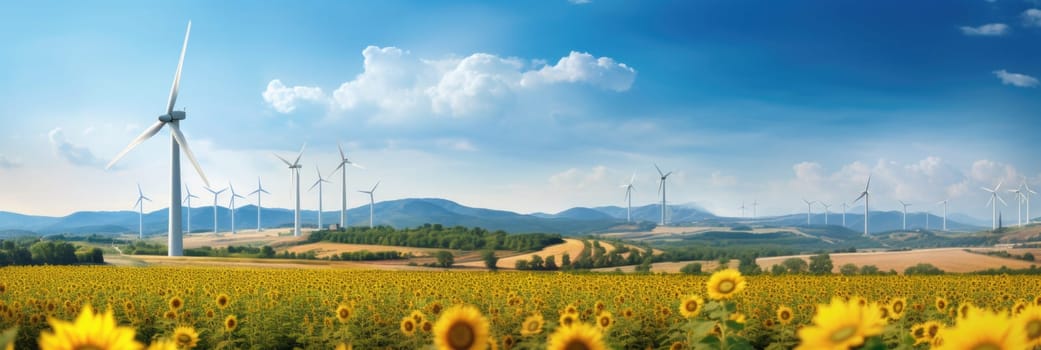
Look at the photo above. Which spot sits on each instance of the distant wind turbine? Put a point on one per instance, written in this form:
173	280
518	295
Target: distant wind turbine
755	211
215	194
319	185
809	210
994	203
944	202
188	201
294	174
905	213
1020	198
172	118
826	212
844	206
141	212
867	200
629	198
742	209
372	203
1027	196
343	186
661	189
260	189
232	205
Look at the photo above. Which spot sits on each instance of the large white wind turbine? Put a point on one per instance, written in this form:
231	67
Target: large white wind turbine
809	210
661	189
171	118
319	185
944	202
992	202
232	205
905	213
260	189
141	212
294	169
215	194
1020	198
188	201
826	212
629	198
372	202
342	167
867	200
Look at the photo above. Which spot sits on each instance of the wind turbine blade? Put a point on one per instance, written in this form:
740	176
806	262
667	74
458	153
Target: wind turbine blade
862	194
999	185
632	179
987	189
1002	200
660	184
374	186
667	174
298	155
338	167
283	160
253	193
151	131
177	75
176	131
265	191
340	147
356	165
659	170
315	185
989	201
146	198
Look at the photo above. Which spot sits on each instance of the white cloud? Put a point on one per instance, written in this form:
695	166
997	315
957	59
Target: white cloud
457	144
76	155
394	85
989	173
284	99
1015	79
574	178
7	163
580	2
992	29
1032	18
720	180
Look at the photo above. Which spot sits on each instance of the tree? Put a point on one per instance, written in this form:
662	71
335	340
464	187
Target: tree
848	269
267	252
565	261
521	264
1028	256
645	266
536	262
869	270
551	263
691	269
445	258
778	269
820	264
923	269
748	267
795	265
490	260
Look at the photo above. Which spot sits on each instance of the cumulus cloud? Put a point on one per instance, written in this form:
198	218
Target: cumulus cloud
718	179
1032	18
1015	79
575	178
457	145
7	163
393	83
992	29
284	99
74	154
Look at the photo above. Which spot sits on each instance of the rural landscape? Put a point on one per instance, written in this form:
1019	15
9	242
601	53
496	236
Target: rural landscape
562	175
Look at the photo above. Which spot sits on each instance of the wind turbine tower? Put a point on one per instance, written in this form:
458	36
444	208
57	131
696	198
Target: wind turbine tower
232	205
294	169
1020	198
141	212
826	212
905	213
755	211
372	203
994	198
260	189
319	185
215	194
1027	196
844	206
342	167
944	202
742	209
188	201
629	199
867	200
177	143
661	189
809	210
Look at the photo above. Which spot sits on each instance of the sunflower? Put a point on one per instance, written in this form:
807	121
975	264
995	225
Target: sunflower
223	300
677	346
941	304
508	342
725	284
841	325
1018	307
919	335
738	317
230	323
691	306
567	320
344	346
983	329
417	316
185	337
579	336
532	325
604	320
170	315
162	344
1030	321
408	326
343	313
461	327
176	303
785	315
90	330
897	307
426	326
628	312
964	309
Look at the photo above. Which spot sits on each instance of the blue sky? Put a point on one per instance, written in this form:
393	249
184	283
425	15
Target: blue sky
528	106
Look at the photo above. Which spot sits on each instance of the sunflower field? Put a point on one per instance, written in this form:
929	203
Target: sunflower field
210	308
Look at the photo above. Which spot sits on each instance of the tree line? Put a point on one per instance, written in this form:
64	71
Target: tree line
438	236
34	251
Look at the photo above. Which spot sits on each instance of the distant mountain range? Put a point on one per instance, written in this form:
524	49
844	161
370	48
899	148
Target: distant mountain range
417	211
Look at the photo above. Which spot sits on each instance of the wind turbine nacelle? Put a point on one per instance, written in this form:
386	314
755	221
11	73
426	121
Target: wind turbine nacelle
175	115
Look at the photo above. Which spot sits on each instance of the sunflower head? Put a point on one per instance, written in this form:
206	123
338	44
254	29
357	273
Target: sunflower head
343	313
223	300
842	324
691	306
508	342
461	327
230	323
185	337
176	303
897	307
785	314
725	284
983	329
408	326
941	304
1030	321
532	325
579	336
89	330
567	320
604	320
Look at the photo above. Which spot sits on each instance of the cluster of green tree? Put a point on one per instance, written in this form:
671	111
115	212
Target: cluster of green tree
365	255
143	248
39	252
1004	270
437	236
593	255
1028	256
707	252
232	251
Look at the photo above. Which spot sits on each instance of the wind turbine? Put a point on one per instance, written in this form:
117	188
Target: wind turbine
343	186
944	202
232	205
1020	198
867	200
171	118
319	184
994	203
905	213
260	189
629	198
188	200
742	209
371	202
809	210
141	212
844	206
755	206
215	194
1027	196
294	173
661	189
826	206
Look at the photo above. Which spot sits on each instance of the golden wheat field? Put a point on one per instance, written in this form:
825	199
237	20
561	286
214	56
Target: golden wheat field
205	308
